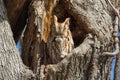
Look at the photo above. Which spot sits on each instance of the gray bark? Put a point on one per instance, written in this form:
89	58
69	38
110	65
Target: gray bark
90	19
90	63
90	26
11	66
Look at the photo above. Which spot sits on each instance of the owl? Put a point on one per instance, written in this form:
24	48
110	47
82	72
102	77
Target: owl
60	42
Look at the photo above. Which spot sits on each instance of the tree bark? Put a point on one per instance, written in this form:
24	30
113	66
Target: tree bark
85	61
33	46
90	25
11	66
17	12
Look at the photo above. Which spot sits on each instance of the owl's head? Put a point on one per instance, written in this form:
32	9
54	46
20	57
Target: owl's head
60	28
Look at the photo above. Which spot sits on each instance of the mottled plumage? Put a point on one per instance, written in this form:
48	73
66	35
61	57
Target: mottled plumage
60	42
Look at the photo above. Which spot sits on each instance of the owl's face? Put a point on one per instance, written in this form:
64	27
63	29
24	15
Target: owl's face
61	44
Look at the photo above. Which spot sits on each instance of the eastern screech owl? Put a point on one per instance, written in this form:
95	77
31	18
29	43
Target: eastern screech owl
60	42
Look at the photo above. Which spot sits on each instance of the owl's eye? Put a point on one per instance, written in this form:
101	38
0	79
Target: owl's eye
65	38
58	39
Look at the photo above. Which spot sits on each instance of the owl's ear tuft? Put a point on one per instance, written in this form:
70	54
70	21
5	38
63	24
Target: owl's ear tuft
55	18
67	21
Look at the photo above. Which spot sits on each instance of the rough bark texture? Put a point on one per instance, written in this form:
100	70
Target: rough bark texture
90	25
11	66
86	64
90	19
33	47
17	11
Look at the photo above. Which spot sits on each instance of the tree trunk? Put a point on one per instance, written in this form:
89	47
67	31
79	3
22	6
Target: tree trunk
17	12
11	66
90	25
33	47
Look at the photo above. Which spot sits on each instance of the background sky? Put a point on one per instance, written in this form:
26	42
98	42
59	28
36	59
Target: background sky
113	67
19	47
